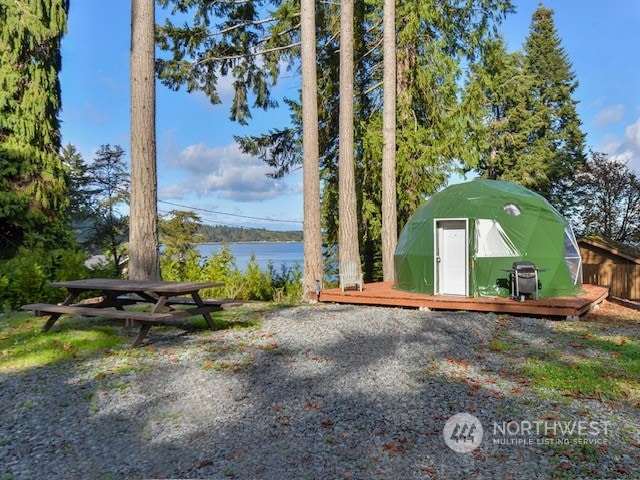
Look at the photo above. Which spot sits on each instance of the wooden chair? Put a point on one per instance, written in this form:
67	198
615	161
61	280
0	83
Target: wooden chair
350	276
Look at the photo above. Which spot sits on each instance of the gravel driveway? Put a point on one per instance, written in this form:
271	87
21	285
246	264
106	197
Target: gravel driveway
317	392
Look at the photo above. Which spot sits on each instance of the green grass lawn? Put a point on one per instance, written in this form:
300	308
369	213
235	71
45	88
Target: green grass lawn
583	359
24	346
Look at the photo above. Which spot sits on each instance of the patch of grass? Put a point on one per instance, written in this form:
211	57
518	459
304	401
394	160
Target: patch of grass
235	357
575	458
228	472
248	316
119	384
587	363
173	417
581	359
235	366
577	377
23	346
498	345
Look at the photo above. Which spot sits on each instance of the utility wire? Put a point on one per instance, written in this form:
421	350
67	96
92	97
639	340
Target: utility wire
207	220
229	214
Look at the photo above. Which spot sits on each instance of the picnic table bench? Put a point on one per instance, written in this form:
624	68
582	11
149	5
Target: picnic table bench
116	294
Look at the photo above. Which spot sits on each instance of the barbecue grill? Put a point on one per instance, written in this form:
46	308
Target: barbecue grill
524	280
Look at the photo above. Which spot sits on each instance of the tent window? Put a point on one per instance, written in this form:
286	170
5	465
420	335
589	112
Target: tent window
572	256
512	209
492	240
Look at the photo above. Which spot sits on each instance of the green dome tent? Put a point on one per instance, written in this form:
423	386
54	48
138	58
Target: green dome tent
465	240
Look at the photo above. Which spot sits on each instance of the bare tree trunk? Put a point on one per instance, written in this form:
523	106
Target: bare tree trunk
143	239
348	248
389	207
312	233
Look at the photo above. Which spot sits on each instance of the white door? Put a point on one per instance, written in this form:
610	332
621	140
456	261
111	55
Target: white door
451	257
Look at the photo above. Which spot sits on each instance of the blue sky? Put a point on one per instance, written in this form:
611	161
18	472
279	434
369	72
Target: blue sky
199	165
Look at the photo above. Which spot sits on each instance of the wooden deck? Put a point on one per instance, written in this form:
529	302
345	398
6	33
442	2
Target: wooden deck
383	294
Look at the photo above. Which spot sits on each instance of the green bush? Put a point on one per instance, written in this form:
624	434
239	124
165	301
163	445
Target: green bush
257	282
24	277
221	267
283	286
286	283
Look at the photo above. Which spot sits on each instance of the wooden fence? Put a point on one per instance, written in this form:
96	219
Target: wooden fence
623	279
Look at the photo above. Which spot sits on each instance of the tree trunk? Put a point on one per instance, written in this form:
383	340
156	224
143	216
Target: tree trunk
312	233
348	247
143	239
389	206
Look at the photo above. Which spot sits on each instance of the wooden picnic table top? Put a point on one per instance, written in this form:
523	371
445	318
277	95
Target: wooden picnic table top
118	285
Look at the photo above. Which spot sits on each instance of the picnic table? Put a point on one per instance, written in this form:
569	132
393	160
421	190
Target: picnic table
116	294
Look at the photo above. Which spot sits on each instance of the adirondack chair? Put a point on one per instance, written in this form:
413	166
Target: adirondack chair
350	276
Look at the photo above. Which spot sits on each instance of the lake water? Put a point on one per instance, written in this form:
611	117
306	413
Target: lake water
287	253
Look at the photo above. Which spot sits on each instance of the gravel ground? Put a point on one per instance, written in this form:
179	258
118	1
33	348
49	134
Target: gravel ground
316	392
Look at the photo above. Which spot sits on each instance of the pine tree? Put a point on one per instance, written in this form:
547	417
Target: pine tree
144	259
558	139
78	181
348	244
388	210
503	127
33	190
241	40
313	277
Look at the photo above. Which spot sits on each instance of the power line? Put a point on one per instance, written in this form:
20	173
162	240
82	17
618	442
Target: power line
206	220
229	214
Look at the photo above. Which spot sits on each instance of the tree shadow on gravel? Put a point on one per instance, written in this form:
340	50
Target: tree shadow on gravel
329	392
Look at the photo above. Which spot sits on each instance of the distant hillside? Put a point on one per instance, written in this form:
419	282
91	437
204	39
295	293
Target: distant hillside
224	234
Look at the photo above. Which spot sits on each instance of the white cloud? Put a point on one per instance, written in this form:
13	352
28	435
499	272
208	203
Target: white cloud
609	115
626	149
611	144
225	172
632	134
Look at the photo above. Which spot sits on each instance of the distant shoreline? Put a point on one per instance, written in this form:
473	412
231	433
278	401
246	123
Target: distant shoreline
250	241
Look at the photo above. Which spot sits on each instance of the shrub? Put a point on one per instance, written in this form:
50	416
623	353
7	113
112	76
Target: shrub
221	267
284	285
257	282
24	277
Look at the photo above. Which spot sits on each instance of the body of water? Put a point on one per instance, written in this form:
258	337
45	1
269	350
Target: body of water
287	253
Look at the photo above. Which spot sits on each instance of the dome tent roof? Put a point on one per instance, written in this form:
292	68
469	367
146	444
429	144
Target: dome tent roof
504	223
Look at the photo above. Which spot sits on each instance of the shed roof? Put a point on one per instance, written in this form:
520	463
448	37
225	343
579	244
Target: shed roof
613	247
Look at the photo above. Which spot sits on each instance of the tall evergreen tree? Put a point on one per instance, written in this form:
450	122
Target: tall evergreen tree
500	132
348	244
312	232
33	191
144	244
388	210
558	139
78	185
